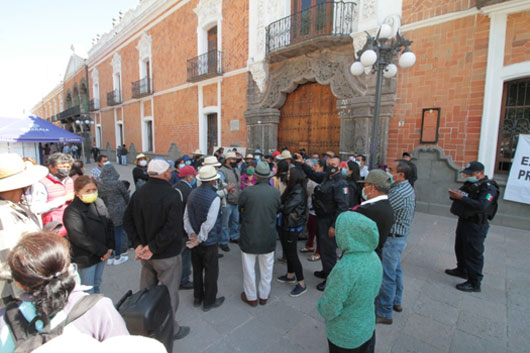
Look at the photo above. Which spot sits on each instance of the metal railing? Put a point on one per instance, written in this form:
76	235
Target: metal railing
205	65
141	88
72	111
114	97
93	104
331	18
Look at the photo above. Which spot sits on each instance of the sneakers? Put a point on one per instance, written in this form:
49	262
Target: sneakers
468	287
224	247
285	279
298	290
320	274
456	272
321	286
218	302
120	260
110	261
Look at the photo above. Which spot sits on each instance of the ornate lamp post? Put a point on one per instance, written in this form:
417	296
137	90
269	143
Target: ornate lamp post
84	123
377	55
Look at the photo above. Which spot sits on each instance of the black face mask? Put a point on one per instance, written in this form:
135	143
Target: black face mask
62	173
331	169
233	164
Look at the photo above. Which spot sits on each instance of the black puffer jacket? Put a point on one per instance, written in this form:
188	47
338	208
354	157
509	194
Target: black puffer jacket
294	208
90	231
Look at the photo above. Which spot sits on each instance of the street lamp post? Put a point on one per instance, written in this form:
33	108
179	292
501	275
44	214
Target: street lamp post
377	55
84	123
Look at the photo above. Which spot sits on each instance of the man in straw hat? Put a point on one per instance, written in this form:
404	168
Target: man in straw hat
152	223
197	158
202	221
139	172
232	176
258	205
16	176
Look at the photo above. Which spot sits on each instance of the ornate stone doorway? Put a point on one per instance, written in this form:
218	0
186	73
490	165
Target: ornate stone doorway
309	119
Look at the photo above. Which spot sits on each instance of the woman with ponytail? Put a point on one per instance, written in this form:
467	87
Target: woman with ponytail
40	266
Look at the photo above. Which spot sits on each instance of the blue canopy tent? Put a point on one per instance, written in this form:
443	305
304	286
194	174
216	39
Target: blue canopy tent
23	135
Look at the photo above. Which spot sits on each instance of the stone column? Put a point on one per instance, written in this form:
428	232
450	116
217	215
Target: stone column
262	125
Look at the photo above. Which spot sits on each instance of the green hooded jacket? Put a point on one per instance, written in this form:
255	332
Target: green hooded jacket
348	302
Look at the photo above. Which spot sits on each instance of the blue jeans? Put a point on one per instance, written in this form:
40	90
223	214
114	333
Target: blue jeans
91	276
391	292
230	223
118	232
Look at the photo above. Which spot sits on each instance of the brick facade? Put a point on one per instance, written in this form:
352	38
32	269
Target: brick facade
517	47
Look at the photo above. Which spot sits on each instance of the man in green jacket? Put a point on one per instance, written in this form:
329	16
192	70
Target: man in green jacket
348	302
258	206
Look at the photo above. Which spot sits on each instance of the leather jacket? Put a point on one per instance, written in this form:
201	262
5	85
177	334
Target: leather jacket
294	209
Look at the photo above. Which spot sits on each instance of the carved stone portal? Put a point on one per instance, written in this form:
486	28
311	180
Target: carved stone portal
355	101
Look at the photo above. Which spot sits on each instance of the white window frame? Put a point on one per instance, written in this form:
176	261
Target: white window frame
116	74
143	127
95	88
144	55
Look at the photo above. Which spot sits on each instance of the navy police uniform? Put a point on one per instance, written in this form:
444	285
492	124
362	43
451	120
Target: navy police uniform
478	205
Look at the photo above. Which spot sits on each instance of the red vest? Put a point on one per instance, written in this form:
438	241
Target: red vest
57	189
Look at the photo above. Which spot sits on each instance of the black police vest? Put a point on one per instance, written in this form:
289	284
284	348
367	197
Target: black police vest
473	191
323	200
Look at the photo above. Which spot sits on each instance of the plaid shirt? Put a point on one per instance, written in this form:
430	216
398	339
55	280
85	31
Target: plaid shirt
403	202
15	221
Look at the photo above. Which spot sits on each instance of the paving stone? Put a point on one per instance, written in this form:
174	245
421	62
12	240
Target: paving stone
481	326
256	336
409	344
465	342
429	331
485	308
438	311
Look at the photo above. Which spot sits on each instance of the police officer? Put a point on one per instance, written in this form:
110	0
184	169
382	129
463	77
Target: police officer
474	203
330	198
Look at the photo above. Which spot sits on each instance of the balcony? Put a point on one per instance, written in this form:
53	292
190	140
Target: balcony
93	105
321	26
141	88
114	97
205	66
70	112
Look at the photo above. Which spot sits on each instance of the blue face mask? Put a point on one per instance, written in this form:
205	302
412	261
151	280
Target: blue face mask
181	165
391	178
344	172
364	195
188	162
193	182
472	179
258	158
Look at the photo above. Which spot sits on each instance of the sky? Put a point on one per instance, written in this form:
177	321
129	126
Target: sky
35	41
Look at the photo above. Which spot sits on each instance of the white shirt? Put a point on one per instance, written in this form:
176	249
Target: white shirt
208	225
375	199
364	172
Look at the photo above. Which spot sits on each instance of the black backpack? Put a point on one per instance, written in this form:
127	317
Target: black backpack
26	336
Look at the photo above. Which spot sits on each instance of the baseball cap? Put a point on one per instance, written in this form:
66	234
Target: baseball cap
471	167
275	153
157	167
377	177
187	171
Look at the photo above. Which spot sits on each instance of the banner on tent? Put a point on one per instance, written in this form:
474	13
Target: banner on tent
518	185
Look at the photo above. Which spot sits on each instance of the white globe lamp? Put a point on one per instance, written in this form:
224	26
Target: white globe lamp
390	71
369	57
357	68
407	59
385	31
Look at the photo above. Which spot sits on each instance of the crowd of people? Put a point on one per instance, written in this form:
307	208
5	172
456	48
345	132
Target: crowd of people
181	213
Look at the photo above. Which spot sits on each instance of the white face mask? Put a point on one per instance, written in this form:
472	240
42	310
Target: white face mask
142	163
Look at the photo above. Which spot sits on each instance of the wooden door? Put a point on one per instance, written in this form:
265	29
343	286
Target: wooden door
309	119
212	50
212	132
311	18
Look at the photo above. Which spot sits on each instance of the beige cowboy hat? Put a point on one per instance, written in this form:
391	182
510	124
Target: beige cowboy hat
208	173
197	152
16	174
249	156
285	155
211	160
140	156
230	155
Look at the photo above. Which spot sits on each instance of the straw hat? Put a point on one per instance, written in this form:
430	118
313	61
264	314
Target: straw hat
140	156
197	152
16	174
231	155
285	155
208	173
330	153
249	156
211	160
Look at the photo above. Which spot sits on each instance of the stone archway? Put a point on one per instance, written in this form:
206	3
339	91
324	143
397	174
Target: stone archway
355	100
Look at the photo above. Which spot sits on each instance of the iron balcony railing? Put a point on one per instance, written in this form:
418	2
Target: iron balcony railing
93	104
114	97
205	65
141	88
330	18
70	112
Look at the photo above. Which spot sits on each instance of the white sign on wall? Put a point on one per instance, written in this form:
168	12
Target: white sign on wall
518	185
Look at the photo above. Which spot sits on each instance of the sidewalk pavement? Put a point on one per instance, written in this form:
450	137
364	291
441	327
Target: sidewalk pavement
436	316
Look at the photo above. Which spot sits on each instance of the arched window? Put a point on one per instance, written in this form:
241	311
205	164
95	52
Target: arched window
515	120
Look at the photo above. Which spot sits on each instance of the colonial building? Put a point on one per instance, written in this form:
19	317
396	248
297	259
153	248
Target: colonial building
176	75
